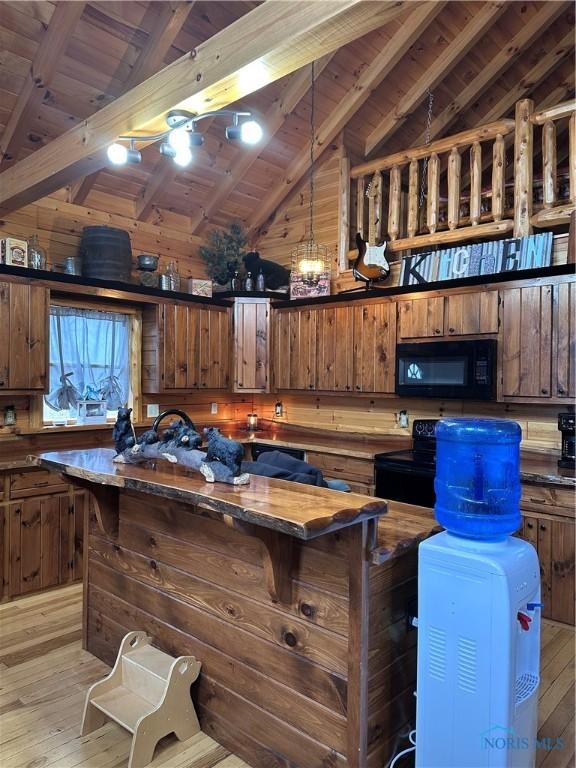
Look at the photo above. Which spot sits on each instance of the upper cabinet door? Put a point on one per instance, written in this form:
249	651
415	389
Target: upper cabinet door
564	341
214	348
251	345
375	347
421	318
335	349
296	349
24	324
472	313
526	342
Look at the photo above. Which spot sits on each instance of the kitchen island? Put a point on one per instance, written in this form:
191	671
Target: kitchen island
294	598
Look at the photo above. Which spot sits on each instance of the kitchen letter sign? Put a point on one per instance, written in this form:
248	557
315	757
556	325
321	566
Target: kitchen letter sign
491	258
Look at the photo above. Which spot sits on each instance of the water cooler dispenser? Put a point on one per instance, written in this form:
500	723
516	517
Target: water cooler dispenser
478	608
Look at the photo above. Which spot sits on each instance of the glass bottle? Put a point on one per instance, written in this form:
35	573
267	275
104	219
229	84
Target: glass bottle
260	282
173	276
36	254
249	282
236	282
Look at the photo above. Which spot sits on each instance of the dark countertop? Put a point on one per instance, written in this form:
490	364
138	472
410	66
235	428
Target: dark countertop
535	468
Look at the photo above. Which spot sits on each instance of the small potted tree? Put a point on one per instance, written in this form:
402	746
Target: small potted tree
223	254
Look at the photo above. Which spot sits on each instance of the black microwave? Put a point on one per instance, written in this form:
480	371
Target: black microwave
452	370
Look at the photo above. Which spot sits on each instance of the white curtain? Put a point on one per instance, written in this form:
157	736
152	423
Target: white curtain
89	359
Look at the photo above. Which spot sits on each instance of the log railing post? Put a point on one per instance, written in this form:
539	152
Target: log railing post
523	168
498	174
413	206
549	163
572	157
433	193
475	182
394	203
454	166
360	196
343	211
375	209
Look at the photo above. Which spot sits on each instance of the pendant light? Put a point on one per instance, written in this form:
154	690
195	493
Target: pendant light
309	258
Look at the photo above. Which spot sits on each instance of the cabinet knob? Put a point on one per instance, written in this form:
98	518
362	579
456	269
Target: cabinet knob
450	330
544	391
542	527
530	525
437	330
560	391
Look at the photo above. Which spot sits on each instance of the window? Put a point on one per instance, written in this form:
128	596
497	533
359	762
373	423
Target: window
90	371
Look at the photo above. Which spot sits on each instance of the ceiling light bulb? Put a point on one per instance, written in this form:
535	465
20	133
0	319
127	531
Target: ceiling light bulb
179	139
183	156
117	154
251	132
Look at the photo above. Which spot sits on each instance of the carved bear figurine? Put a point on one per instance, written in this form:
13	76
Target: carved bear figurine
123	432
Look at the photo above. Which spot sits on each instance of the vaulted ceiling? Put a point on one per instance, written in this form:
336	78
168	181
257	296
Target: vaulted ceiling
62	62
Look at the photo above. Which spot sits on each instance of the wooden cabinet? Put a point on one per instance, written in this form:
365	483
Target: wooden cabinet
526	342
335	349
24	347
185	347
358	473
472	313
349	348
251	354
456	314
548	523
553	538
564	341
421	318
43	537
375	347
295	348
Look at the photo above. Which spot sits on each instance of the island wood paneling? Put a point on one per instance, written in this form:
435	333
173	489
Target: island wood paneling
278	682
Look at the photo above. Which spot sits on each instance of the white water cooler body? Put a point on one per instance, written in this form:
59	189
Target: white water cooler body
478	653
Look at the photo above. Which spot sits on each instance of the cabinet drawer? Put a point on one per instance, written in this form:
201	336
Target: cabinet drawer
342	467
549	499
36	483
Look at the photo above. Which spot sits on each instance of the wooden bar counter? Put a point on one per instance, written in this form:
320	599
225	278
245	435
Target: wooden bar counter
294	598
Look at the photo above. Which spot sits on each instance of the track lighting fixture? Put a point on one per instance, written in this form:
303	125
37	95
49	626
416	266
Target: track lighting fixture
181	135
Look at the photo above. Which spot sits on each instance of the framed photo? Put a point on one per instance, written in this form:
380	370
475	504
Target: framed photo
91	412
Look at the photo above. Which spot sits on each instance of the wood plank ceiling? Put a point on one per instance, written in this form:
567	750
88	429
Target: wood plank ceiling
478	58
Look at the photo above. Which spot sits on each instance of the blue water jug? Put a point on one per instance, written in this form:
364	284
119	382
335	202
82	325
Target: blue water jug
477	477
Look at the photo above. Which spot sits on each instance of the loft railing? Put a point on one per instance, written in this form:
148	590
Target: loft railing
476	184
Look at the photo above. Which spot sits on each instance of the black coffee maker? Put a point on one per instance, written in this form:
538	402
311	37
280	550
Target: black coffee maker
567	426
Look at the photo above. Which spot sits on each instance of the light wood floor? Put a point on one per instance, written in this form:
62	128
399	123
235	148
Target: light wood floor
44	675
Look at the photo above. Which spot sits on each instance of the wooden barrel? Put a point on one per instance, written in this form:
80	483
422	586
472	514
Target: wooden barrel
106	253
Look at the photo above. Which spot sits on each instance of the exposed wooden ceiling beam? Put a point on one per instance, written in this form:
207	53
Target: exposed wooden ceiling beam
54	43
164	173
529	32
454	52
170	21
272	120
537	73
369	79
266	44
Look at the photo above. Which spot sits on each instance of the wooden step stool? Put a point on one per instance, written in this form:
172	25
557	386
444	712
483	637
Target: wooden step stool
148	693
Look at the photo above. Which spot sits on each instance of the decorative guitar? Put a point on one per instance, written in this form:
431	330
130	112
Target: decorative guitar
371	264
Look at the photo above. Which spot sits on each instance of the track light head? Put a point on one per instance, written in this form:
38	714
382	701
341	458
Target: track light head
119	154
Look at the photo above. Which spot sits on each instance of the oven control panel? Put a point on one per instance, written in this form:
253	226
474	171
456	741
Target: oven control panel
424	429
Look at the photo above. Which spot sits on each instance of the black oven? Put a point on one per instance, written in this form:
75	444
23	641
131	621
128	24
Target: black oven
455	370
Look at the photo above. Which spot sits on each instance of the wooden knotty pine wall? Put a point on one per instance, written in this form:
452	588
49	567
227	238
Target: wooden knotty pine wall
59	225
360	416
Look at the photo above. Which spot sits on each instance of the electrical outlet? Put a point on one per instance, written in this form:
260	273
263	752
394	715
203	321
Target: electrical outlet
152	410
213	408
403	420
